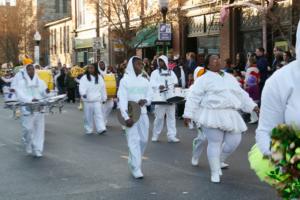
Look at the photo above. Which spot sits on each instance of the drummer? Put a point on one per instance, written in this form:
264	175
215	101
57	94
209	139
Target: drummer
30	89
137	133
163	79
109	104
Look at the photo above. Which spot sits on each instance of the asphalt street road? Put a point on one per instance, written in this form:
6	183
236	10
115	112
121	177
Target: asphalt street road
80	167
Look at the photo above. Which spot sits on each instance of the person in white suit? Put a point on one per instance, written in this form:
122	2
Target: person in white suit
109	104
214	103
280	101
29	89
93	94
163	79
134	87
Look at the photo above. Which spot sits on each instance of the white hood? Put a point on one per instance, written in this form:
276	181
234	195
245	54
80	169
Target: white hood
165	59
30	82
102	72
298	43
129	69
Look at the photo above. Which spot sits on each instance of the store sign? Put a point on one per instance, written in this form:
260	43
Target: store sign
97	43
118	46
201	51
213	51
283	45
164	32
83	43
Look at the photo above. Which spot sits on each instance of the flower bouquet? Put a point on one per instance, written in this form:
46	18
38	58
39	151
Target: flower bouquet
282	168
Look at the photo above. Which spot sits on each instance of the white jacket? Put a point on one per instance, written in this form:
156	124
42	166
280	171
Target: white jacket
214	101
94	92
28	89
280	101
133	88
162	77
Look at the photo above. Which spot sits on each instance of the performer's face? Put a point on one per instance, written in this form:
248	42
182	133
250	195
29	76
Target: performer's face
102	65
214	63
30	71
162	64
138	67
91	69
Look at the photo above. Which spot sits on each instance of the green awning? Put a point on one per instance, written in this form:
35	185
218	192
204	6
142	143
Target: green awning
146	37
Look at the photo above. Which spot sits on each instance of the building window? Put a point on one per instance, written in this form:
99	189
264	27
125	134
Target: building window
51	42
65	40
55	42
80	12
68	39
57	5
61	40
65	6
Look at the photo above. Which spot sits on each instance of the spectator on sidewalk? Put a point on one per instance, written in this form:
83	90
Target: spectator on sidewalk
262	65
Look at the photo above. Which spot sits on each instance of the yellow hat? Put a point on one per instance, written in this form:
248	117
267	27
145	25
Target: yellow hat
27	61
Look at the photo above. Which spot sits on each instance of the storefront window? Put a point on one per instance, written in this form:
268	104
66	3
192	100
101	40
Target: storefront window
208	45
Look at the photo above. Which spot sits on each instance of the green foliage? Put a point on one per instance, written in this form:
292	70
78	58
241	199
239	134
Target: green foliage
285	148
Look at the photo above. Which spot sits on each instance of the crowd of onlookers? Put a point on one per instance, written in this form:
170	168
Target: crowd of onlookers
251	70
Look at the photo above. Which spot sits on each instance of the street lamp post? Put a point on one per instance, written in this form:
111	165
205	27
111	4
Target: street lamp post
163	4
37	38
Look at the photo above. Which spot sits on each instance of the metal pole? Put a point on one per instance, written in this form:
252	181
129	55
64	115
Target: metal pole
98	53
165	43
164	12
264	26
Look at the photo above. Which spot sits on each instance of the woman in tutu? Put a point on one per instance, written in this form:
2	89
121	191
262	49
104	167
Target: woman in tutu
214	103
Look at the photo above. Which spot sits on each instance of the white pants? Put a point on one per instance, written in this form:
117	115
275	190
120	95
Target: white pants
137	139
221	144
160	112
33	129
198	144
107	108
93	114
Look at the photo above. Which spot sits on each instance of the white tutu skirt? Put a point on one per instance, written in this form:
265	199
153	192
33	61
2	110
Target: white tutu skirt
228	120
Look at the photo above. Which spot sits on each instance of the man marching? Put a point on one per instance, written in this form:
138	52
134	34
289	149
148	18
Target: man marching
93	93
30	89
109	104
134	87
163	79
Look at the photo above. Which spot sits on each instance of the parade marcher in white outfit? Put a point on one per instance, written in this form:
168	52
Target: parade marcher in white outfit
29	88
280	101
214	103
164	79
93	94
134	87
199	141
109	104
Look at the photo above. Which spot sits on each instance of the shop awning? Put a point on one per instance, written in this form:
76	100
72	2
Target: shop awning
146	37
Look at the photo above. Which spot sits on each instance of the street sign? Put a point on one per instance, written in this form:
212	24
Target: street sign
97	43
164	32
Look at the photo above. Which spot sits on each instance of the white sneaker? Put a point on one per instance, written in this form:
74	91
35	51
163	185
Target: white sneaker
138	174
224	165
28	149
38	154
215	178
173	140
195	161
154	138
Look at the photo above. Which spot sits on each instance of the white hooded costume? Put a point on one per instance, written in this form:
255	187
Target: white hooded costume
135	88
158	78
33	124
95	95
280	101
213	103
109	104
